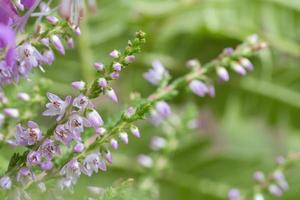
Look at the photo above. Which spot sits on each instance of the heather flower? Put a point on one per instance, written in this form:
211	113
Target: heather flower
115	75
79	147
198	87
135	131
5	182
33	158
58	44
66	183
56	106
239	69
145	161
112	95
275	190
8	74
246	64
102	82
49	149
129	59
75	124
93	118
194	63
70	43
45	41
72	11
108	157
25	175
11	112
117	67
28	57
23	96
28	3
234	194
78	85
114	143
157	143
163	109
52	19
211	90
63	135
156	74
115	54
100	130
8	13
92	163
42	187
82	102
259	176
99	66
71	171
130	112
124	137
222	74
28	136
48	57
280	179
7	39
46	165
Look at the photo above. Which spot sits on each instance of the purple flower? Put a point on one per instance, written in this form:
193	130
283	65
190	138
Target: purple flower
56	106
11	112
157	143
222	74
78	85
135	131
8	74
23	96
79	147
52	19
246	64
72	11
48	57
63	135
275	190
5	182
25	176
108	157
8	14
156	74
34	158
239	69
259	176
211	90
145	161
117	67
115	75
30	135
163	109
124	137
70	43
28	3
102	82
129	59
71	171
58	44
198	87
82	102
112	95
75	124
99	66
49	149
280	179
94	119
45	41
7	41
46	165
92	163
114	143
115	54
234	194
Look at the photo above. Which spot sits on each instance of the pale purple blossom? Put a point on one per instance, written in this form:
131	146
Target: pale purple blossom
28	136
46	165
45	41
79	147
49	149
28	3
58	44
259	176
117	67
114	143
23	96
63	135
98	66
71	171
163	109
25	175
92	163
115	54
245	62
94	119
145	161
239	69
56	106
198	87
129	59
78	85
135	131
34	158
124	137
102	82
82	102
5	182
52	19
48	57
156	74
115	75
112	95
70	43
108	157
275	190
222	74
234	194
75	124
7	35
11	112
157	143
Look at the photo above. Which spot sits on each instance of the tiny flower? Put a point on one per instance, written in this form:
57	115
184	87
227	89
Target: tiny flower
24	176
108	157
100	130
211	91
163	109
23	96
75	124
234	194
145	161
129	59
49	149
275	190
115	75
5	182
52	19
92	163
11	112
46	165
34	158
280	179
77	31
222	74
198	87
239	69
63	135
71	171
48	57
228	51
124	137
259	176
246	64
99	66
28	3
130	112
117	67
78	85
102	82
82	102
79	147
58	44
135	131
112	95
56	106
94	118
115	54
29	136
70	43
157	143
114	144
45	41
156	74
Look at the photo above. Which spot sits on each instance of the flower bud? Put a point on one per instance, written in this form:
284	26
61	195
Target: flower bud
124	137
129	59
102	82
48	57
239	69
112	95
70	43
246	64
23	96
234	194
135	131
94	119
58	44
198	88
222	74
157	143
98	66
11	112
78	85
114	144
108	157
145	161
275	190
52	20
45	41
5	182
115	54
47	165
100	130
79	147
259	177
117	67
115	75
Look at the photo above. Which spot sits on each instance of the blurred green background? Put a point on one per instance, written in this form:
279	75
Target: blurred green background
249	123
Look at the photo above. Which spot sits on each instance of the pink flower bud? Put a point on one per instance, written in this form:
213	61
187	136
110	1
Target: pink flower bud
52	19
222	74
79	147
135	131
11	112
102	82
117	67
100	130
239	69
124	137
78	85
99	66
23	96
112	95
115	54
58	44
129	59
114	144
70	43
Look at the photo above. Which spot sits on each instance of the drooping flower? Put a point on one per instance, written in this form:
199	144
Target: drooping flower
28	136
114	143
78	85
157	73
56	106
25	175
23	96
222	74
58	44
82	102
49	149
71	171
75	124
11	112
5	182
238	69
34	158
92	163
135	131
112	95
94	119
198	87
124	137
63	135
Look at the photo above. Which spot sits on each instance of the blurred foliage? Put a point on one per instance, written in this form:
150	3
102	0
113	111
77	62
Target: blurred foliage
251	120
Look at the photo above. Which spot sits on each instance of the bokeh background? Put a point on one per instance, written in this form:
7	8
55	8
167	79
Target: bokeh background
251	120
